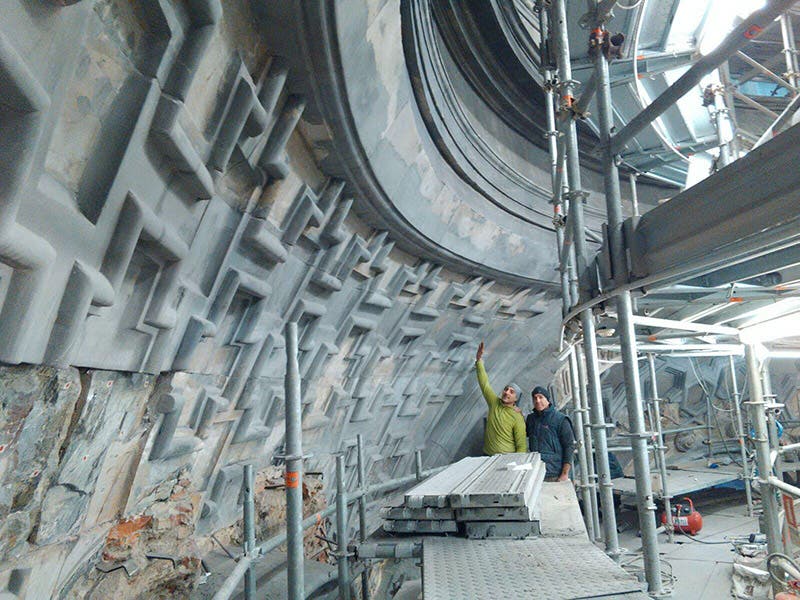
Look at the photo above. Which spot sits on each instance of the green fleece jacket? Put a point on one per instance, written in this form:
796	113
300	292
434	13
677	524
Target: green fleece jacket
505	427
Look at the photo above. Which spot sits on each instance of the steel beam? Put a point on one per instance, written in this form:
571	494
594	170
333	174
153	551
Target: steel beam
734	349
561	39
644	493
750	28
762	265
732	216
684	326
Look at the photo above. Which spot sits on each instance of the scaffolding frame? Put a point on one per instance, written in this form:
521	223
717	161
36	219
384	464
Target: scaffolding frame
584	298
580	298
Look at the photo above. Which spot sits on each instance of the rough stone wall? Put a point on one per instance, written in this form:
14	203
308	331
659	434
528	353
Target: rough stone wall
161	218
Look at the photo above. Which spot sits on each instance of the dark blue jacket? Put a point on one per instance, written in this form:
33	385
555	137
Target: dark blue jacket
550	434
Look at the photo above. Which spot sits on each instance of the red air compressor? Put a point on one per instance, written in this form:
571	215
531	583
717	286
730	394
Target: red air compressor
685	519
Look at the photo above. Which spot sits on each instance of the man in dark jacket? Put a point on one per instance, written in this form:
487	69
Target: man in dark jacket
550	434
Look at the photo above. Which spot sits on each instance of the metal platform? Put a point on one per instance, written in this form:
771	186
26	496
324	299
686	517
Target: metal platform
679	481
456	568
504	480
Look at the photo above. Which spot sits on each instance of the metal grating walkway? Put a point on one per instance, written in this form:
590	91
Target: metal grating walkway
455	569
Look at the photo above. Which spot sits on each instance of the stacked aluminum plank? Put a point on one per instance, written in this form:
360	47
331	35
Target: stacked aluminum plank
488	497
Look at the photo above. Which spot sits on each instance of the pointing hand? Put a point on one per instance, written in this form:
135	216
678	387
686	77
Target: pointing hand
479	353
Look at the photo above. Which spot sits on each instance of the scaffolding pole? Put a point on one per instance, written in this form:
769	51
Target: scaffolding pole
789	49
661	459
576	196
630	365
342	564
294	469
586	488
587	440
737	398
758	416
727	87
362	510
724	126
634	194
556	172
772	416
249	533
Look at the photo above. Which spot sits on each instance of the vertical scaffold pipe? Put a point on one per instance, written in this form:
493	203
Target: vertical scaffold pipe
662	459
341	530
249	526
727	86
362	511
556	165
586	490
758	417
587	440
724	127
740	433
294	469
789	48
576	193
772	417
630	364
634	194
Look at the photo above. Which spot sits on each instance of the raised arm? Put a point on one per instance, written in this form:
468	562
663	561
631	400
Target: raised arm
483	378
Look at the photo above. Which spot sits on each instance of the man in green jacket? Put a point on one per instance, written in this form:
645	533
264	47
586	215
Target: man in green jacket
505	427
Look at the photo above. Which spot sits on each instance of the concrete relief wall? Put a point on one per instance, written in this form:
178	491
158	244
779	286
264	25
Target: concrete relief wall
163	213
